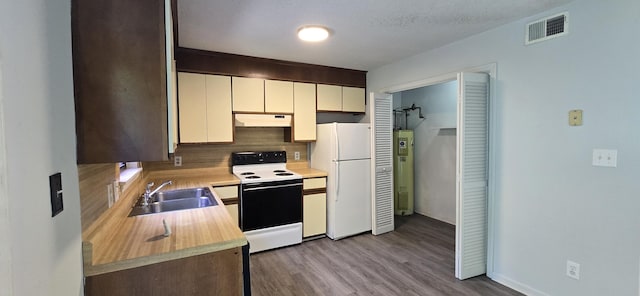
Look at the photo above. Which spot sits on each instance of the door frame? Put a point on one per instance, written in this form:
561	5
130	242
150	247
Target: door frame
490	69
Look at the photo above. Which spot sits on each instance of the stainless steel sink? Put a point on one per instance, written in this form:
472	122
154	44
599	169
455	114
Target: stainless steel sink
181	194
174	200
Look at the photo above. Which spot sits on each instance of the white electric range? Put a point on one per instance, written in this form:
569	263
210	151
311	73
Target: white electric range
270	201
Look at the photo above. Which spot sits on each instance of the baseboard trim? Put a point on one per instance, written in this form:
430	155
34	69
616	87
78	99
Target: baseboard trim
518	286
434	217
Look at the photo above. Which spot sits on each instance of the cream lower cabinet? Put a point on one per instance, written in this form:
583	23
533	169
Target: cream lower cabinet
341	98
205	108
304	112
229	196
314	207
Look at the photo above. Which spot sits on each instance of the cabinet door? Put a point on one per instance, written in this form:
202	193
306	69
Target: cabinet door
248	94
219	115
353	99
172	109
304	115
229	196
314	214
172	80
278	96
233	212
193	107
120	77
214	273
329	97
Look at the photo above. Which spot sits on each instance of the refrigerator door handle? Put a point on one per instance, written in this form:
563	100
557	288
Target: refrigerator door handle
337	143
337	160
337	179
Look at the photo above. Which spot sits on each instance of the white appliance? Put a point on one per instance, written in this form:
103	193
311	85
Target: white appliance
343	150
270	200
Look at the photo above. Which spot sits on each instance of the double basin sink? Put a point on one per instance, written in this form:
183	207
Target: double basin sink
174	200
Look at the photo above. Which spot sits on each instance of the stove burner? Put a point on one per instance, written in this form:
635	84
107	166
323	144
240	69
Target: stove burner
284	174
253	177
247	173
279	171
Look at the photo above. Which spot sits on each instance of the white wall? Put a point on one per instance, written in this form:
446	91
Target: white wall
5	231
435	149
551	204
39	127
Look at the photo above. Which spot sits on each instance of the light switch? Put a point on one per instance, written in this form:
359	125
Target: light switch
575	117
55	188
605	157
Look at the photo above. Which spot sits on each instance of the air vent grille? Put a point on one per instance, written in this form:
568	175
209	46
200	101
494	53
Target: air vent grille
547	28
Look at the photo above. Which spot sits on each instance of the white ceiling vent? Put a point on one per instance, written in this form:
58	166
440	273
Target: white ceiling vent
547	28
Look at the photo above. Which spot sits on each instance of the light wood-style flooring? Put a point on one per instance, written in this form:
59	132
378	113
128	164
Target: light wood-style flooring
415	259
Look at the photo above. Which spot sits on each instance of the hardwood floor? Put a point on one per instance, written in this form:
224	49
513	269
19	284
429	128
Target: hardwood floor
415	259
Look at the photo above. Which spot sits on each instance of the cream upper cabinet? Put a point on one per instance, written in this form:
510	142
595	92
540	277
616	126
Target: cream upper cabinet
248	94
353	99
219	115
340	98
329	98
304	114
204	108
192	96
278	96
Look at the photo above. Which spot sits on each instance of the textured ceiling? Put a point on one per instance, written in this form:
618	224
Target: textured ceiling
365	34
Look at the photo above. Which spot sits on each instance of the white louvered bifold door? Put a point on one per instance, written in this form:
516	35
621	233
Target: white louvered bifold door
382	160
471	168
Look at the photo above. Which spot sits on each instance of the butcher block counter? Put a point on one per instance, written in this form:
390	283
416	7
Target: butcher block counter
307	172
124	242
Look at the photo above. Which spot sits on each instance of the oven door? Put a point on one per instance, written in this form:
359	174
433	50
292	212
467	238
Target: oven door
269	204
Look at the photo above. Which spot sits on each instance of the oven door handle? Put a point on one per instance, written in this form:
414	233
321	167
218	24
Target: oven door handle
271	187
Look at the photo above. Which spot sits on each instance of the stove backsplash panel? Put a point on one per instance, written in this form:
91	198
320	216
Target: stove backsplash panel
217	155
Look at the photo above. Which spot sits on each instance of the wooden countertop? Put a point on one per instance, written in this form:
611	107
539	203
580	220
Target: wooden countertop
127	242
308	172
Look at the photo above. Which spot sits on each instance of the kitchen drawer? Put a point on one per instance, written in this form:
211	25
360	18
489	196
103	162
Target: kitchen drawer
313	183
226	192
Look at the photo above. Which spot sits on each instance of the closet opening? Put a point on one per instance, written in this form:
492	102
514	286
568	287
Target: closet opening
450	181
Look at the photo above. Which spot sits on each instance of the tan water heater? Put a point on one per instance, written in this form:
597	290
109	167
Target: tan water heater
403	172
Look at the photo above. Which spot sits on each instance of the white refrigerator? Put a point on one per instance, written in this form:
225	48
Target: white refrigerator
343	150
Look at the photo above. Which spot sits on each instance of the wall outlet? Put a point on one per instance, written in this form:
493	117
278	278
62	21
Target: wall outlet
573	270
605	157
296	155
177	161
575	117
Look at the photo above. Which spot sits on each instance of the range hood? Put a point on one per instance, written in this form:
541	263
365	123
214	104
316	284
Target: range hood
262	120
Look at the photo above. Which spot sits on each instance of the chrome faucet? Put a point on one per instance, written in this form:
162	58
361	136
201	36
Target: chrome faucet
146	197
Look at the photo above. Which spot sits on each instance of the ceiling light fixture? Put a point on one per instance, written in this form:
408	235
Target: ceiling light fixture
313	33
